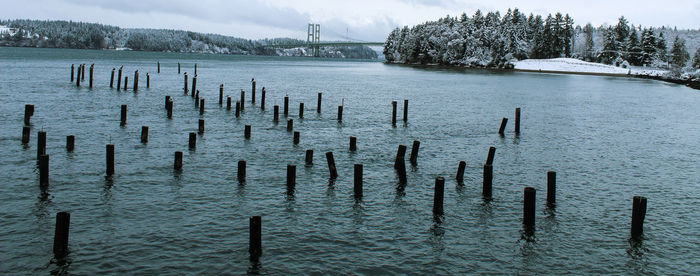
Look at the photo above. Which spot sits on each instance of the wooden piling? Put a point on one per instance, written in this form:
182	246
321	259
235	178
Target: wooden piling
148	80
405	111
529	210
72	72
262	99
639	211
221	94
196	98
126	83
200	130
70	143
185	88
309	157
194	82
238	109
242	100
167	99
353	143
41	144
296	137
201	106
44	170
28	113
551	188
414	152
77	80
111	79
438	196
490	157
286	106
255	240
246	132
401	171
290	125
241	170
178	161
92	68
193	140
26	131
301	110
119	78
110	159
400	155
228	102
291	178
82	73
393	113
144	134
61	233
195	71
170	108
357	183
340	113
503	126
158	67
178	68
276	113
517	120
331	165
460	171
486	189
123	115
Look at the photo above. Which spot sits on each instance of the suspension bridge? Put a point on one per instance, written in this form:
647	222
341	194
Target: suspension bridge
313	41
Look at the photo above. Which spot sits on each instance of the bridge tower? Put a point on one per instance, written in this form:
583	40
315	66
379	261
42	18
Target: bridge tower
313	37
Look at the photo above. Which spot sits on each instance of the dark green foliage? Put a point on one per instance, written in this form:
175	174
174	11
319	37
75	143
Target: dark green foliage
696	59
679	54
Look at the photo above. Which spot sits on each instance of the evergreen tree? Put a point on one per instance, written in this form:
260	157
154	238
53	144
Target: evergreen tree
610	50
634	54
679	54
648	46
661	49
622	33
568	35
589	48
696	59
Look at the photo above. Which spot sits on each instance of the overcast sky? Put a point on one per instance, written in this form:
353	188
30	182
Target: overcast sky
369	20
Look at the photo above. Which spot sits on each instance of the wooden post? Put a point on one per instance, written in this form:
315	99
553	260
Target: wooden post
195	71
77	80
41	144
639	211
167	99
110	159
401	170
158	67
353	143
26	131
529	210
246	132
178	161
301	110
238	109
400	155
255	241
82	73
119	79
262	99
286	106
148	80
241	170
28	113
123	115
126	83
492	153
194	82
414	152
309	157
44	170
296	137
178	68
340	113
488	181
393	113
201	106
405	111
290	125
331	164
318	102
72	72
61	233
170	108
185	85
551	188
92	67
144	134
517	120
111	79
357	183
193	140
228	102
201	126
276	113
291	178
503	126
221	94
196	98
70	143
242	100
460	171
438	196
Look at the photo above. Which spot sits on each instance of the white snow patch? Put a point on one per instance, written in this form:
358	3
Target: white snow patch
571	65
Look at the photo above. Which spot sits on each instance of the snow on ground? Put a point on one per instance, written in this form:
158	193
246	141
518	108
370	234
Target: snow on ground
571	65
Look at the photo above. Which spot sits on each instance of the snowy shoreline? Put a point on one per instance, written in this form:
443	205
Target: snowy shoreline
575	66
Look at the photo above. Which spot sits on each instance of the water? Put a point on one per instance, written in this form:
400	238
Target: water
609	139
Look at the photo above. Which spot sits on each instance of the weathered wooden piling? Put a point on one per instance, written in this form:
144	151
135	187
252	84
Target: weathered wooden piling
193	140
61	233
255	240
200	130
194	82
72	72
400	155
77	80
196	98
238	109
148	80
296	137
331	165
92	68
169	108
126	83
70	143
221	94
41	144
228	102
405	110
119	78
357	183
123	115
401	171
111	79
340	113
246	132
393	113
252	89
158	67
492	154
529	210
517	120
195	70
353	143
44	170
486	189
318	102
28	113
178	161
110	159
290	125
201	106
185	88
286	106
460	171
276	113
242	100
639	211
414	152
504	121
438	196
291	178
241	170
178	68
26	131
301	110
144	134
309	159
167	99
82	73
551	188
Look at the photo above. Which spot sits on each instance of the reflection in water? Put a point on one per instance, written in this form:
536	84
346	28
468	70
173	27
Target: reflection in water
255	267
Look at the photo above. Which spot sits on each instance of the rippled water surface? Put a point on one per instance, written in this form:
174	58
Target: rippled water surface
607	138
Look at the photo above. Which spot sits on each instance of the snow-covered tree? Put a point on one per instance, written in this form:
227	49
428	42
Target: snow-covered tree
696	59
610	49
648	46
661	48
634	49
679	54
622	31
590	45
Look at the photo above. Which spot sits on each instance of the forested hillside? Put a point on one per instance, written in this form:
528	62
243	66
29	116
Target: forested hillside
79	35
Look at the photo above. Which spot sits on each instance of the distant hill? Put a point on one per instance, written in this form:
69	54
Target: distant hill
80	35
